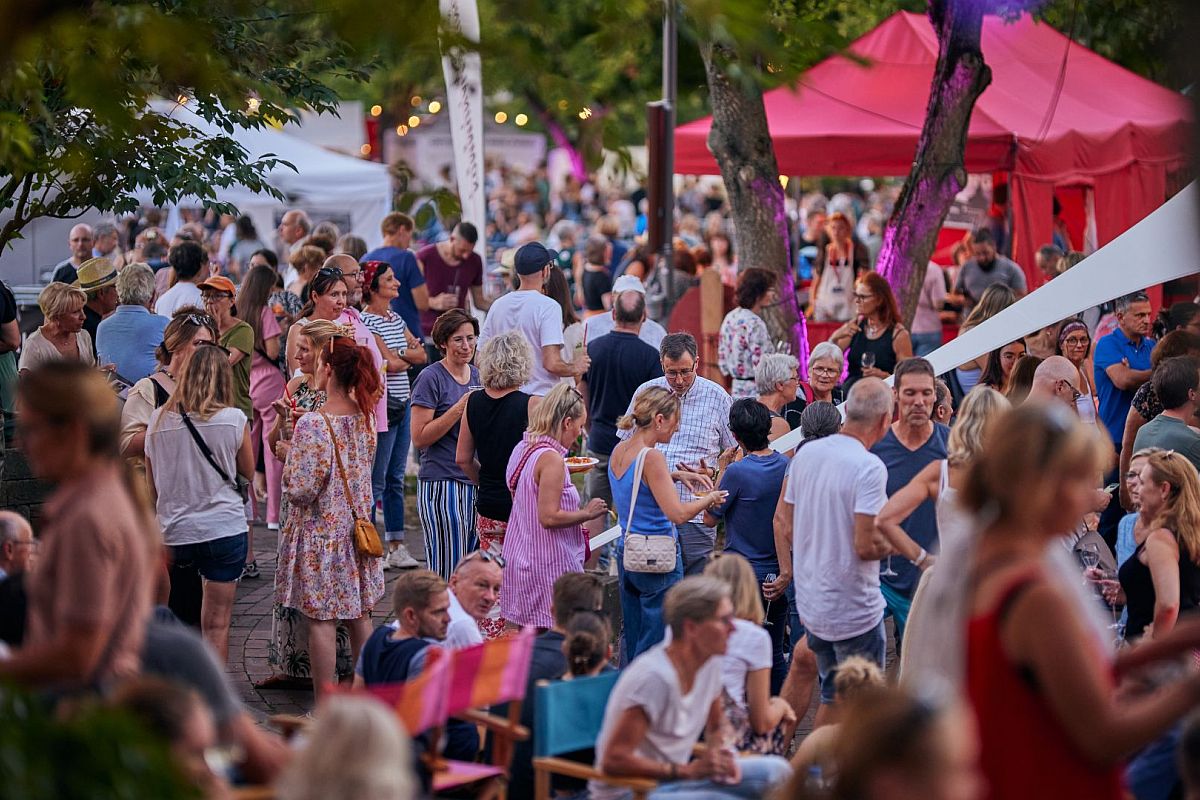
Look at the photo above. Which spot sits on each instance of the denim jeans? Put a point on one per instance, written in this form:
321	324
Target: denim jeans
642	595
925	343
387	475
871	644
760	775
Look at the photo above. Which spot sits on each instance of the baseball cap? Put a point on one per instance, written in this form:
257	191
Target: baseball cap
628	283
533	257
219	283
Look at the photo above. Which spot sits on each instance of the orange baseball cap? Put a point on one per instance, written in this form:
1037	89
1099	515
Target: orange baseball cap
219	283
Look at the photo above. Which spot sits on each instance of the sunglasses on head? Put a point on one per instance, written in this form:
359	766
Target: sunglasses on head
329	272
200	319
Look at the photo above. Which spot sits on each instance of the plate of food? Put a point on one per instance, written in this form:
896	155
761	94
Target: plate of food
577	464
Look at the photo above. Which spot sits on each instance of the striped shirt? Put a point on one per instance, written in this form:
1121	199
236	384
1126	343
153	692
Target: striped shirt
703	427
391	329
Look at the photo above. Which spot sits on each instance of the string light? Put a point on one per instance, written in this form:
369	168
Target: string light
520	119
585	113
376	110
401	130
365	149
415	100
434	107
414	121
501	118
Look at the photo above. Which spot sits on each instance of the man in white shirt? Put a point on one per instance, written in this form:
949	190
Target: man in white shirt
474	592
594	327
190	263
537	317
651	723
825	536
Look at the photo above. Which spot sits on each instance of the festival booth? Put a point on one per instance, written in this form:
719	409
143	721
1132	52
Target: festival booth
1056	117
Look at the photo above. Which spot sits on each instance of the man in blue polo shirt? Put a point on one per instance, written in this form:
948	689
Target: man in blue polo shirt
1122	361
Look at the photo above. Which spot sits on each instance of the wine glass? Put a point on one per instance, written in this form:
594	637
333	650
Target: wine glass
771	576
887	571
868	360
1089	554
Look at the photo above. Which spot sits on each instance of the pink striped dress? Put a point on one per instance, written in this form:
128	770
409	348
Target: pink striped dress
534	556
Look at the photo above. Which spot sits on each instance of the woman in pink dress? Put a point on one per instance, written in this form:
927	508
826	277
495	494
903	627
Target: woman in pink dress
545	537
321	574
266	376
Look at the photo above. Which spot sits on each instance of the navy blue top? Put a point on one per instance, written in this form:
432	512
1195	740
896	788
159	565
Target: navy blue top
388	660
754	484
404	266
621	362
902	466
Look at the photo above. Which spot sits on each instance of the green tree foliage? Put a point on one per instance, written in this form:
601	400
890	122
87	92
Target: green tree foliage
75	86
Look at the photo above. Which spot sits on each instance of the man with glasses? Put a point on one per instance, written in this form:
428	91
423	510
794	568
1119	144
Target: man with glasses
81	241
702	437
1056	380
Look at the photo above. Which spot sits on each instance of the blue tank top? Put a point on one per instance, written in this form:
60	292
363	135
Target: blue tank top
648	518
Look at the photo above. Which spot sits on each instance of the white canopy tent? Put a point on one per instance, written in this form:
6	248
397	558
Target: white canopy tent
325	184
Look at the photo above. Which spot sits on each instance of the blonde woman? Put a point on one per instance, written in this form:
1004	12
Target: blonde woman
356	750
1161	580
61	337
197	448
761	723
545	537
653	421
855	677
301	394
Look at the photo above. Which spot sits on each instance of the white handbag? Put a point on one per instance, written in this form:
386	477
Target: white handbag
646	553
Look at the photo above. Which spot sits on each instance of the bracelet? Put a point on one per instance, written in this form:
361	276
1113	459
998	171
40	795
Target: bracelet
921	557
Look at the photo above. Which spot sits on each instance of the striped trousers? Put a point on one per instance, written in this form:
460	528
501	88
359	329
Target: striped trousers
447	512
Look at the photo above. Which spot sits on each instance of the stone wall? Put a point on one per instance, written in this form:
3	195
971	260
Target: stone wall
20	491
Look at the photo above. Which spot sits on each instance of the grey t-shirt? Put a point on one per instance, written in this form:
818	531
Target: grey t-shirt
436	388
973	279
1169	434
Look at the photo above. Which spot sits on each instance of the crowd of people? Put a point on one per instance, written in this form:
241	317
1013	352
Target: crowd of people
1024	530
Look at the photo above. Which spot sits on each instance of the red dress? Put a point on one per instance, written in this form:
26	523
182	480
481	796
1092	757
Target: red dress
1026	752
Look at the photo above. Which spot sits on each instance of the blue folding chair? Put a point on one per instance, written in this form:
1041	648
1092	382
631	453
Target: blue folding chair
567	717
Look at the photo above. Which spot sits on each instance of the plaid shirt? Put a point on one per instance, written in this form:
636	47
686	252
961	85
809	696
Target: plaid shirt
703	428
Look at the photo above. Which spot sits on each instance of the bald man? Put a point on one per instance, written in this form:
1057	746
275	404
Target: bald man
1056	379
80	241
17	545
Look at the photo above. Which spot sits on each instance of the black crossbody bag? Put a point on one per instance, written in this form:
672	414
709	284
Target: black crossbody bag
241	485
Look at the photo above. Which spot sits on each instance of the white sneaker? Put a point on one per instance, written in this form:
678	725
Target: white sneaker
400	558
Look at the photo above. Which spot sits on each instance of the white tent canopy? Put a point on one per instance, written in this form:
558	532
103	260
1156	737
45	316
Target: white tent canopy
325	184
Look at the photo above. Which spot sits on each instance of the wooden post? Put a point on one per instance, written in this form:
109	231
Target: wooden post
712	313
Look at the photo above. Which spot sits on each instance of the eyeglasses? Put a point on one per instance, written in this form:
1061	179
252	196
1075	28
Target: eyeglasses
1075	393
212	297
32	544
1131	475
828	372
1076	341
679	373
863	297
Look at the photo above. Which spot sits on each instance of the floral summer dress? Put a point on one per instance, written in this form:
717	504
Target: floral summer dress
743	342
321	574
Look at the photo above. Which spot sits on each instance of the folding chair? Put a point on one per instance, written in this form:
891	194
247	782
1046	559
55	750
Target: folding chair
567	717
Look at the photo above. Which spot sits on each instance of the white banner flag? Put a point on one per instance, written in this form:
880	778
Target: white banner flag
464	101
1162	247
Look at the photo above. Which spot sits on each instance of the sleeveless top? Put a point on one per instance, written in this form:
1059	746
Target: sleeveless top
1086	405
954	522
648	518
497	426
1139	589
885	354
1025	751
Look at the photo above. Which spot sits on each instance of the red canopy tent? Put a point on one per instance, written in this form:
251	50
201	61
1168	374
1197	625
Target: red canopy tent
1105	128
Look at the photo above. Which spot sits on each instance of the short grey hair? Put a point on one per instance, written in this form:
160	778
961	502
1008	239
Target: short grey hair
694	598
1050	252
870	399
505	361
104	229
629	308
135	284
1125	301
674	345
825	350
774	369
11	525
820	419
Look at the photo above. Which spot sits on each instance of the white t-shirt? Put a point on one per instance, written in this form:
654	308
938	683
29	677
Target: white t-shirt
594	327
676	719
180	295
463	631
540	320
828	482
749	650
194	503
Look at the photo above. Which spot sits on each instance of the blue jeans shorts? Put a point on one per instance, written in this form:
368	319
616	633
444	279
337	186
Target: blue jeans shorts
872	645
218	560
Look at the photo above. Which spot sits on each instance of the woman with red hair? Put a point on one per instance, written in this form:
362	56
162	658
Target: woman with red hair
321	574
874	339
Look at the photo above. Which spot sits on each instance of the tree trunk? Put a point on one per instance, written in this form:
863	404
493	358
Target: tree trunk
741	143
937	173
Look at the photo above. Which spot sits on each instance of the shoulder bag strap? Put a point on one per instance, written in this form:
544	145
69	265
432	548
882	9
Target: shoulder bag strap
512	486
204	448
638	463
337	457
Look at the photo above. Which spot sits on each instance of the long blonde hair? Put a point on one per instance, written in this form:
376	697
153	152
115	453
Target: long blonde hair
979	410
1181	512
320	331
736	571
204	387
647	405
561	403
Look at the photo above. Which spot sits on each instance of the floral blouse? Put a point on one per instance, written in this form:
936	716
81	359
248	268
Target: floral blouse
744	341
